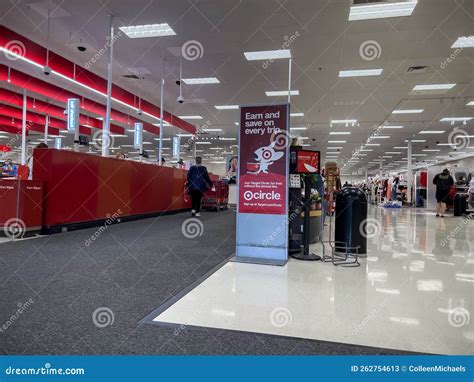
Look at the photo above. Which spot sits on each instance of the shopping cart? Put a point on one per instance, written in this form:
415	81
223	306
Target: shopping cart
216	198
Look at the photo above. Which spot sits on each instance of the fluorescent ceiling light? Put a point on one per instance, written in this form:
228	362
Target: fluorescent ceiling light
305	145
419	155
201	81
189	116
279	93
381	136
464	42
227	107
340	133
471	103
430	150
334	148
408	111
227	139
151	30
296	114
299	128
344	121
434	87
163	139
211	130
267	54
366	150
202	143
455	119
432	132
382	10
417	140
401	147
337	141
372	144
392	127
185	135
393	152
360	73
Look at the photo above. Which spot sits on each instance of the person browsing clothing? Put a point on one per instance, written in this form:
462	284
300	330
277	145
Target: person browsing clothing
443	182
198	182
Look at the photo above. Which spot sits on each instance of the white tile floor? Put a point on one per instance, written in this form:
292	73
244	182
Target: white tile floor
413	292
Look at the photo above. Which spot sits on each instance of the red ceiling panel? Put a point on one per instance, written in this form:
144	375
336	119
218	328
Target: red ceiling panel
37	53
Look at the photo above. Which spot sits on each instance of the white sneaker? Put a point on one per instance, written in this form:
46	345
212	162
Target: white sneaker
198	214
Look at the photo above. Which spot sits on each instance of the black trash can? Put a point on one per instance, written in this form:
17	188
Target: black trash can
460	205
350	222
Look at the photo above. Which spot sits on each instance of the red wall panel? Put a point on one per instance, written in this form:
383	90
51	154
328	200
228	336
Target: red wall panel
27	197
82	187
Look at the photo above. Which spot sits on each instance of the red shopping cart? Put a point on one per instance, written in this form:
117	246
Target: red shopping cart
217	197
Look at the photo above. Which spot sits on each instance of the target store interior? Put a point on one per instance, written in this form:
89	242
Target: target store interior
253	177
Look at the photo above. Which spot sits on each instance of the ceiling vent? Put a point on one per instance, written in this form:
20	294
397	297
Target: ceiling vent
417	69
132	77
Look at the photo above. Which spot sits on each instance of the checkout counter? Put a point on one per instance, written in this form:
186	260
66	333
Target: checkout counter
21	204
83	190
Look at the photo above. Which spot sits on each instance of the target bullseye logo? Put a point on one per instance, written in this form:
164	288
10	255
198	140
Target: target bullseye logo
267	154
260	195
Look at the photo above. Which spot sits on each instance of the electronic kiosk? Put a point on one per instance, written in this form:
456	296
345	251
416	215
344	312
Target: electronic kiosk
301	162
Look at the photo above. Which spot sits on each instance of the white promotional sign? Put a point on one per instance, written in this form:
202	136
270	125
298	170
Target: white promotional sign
58	142
176	147
138	135
72	114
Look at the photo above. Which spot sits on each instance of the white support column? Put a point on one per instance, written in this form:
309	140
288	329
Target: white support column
76	138
289	80
46	128
366	174
380	168
409	171
160	142
106	125
23	130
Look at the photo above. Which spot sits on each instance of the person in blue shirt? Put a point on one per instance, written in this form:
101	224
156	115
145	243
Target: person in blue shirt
198	183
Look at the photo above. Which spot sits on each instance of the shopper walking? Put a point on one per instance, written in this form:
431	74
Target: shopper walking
470	192
443	182
198	182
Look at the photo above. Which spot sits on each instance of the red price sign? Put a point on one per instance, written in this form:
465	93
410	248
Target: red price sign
308	162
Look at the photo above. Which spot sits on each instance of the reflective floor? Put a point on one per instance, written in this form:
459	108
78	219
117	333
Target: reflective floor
414	291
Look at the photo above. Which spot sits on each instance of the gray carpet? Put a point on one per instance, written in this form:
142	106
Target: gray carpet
131	269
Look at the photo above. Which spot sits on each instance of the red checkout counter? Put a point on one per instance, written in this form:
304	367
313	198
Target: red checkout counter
83	190
21	204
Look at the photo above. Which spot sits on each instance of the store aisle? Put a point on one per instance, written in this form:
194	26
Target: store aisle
413	292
